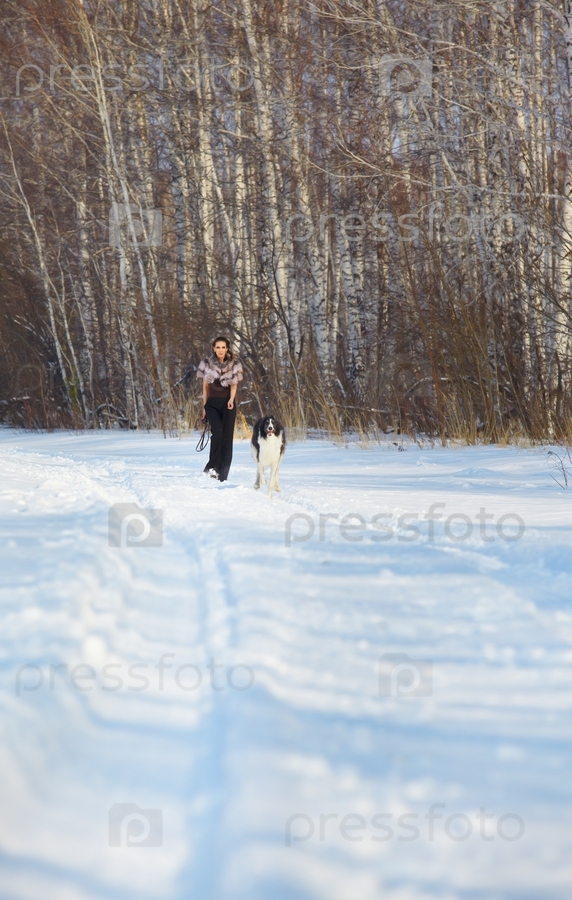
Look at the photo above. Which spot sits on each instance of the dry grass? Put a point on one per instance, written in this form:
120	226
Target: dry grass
455	414
242	430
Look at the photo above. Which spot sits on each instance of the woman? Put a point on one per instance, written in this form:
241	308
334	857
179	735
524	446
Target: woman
221	373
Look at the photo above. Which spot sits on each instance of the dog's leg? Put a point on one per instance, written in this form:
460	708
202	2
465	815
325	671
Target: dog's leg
275	470
273	484
260	479
259	476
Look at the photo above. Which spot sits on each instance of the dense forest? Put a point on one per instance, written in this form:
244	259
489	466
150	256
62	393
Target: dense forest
372	199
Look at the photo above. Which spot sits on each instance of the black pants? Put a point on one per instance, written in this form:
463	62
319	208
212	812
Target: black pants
221	419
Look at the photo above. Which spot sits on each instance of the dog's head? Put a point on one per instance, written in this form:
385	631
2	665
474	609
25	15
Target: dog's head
270	426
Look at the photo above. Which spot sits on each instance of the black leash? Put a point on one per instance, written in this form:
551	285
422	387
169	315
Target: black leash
204	438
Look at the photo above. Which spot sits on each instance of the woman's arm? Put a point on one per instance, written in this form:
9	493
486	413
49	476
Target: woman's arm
233	388
205	398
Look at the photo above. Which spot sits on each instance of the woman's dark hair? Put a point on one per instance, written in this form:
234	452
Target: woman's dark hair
225	340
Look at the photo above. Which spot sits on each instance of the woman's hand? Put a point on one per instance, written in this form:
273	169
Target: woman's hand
230	404
204	415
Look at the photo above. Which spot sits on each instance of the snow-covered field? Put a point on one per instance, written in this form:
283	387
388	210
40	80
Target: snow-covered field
260	701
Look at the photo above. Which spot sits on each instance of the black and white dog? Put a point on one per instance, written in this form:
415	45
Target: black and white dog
267	445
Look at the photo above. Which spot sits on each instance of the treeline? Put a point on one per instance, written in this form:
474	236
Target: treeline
373	199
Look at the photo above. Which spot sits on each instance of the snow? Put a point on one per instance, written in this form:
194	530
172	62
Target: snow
285	761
